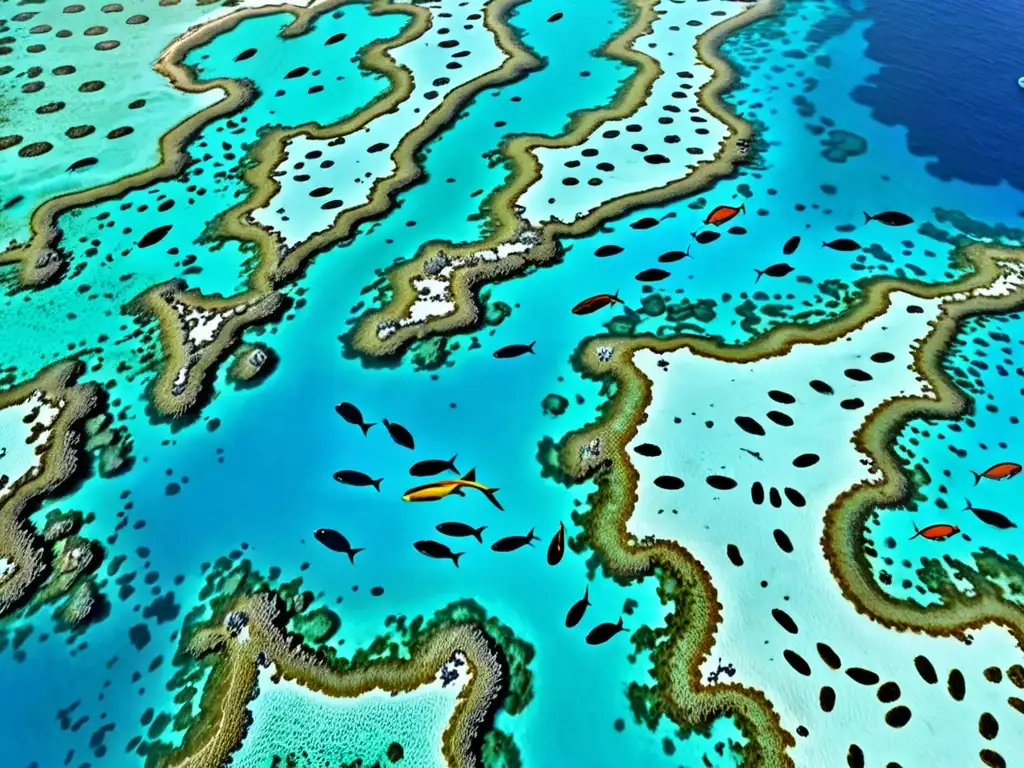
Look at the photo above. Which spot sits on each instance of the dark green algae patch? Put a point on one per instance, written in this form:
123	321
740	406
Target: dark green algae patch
281	625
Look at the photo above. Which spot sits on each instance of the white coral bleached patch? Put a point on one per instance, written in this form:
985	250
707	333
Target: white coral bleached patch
25	430
7	567
434	297
761	542
1010	279
199	327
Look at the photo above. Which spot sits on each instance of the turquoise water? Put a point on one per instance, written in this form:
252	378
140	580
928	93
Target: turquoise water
986	363
280	442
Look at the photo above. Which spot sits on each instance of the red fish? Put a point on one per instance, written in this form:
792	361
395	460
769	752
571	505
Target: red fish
724	213
936	532
595	303
1002	471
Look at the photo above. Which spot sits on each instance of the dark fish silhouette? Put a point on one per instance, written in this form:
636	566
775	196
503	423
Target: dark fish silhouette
602	633
515	350
335	38
652	275
791	245
334	541
889	218
645	223
594	303
724	213
987	516
512	543
705	237
358	479
842	244
775	270
399	434
1004	470
438	551
352	415
555	17
671	256
608	250
557	546
154	236
248	53
459	530
431	467
575	614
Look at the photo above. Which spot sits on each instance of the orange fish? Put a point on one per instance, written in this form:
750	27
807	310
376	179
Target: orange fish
595	303
724	213
1002	471
936	532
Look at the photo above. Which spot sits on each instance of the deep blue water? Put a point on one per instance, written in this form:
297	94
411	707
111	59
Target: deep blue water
949	75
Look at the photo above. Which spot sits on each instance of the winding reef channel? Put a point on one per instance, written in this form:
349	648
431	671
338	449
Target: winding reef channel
735	531
721	615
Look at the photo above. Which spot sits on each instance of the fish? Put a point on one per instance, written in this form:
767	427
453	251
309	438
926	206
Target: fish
459	530
512	543
989	517
775	270
557	546
936	532
652	275
575	614
705	237
431	467
335	542
358	479
671	256
515	350
1004	470
791	245
399	434
755	454
602	633
352	415
608	250
724	213
842	244
594	303
438	551
441	488
889	218
645	223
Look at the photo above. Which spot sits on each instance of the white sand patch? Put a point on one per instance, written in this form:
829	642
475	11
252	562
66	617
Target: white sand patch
289	717
942	731
662	142
25	429
350	166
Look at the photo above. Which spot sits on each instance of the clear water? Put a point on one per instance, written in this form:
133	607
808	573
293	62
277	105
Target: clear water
281	442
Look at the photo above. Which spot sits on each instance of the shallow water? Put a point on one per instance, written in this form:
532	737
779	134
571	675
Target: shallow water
253	476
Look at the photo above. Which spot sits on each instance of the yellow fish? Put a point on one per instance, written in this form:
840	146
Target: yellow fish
440	488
